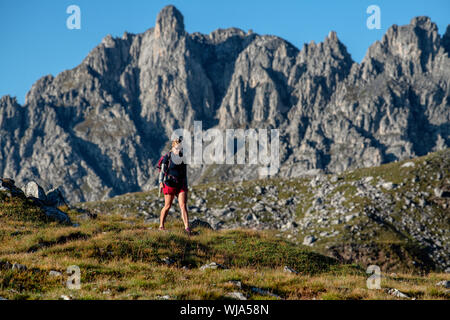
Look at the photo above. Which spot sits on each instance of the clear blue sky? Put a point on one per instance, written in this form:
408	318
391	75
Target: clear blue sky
36	42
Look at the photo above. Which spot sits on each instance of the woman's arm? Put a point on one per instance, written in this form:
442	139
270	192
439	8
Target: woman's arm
161	173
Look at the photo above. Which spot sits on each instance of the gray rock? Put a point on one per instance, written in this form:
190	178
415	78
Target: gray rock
264	292
438	192
388	185
168	261
368	179
212	265
444	283
200	223
289	270
56	214
259	207
396	293
236	295
32	189
54	273
309	240
408	164
19	267
219	212
258	190
55	198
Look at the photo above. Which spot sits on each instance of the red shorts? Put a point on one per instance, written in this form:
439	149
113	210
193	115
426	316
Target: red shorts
174	191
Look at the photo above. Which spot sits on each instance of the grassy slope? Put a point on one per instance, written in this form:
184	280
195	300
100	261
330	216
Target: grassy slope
382	244
121	258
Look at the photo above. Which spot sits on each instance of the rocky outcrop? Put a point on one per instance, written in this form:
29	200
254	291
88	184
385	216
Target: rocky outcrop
98	129
47	203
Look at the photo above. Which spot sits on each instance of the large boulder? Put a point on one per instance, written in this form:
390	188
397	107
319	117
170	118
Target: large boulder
55	198
7	184
56	214
34	190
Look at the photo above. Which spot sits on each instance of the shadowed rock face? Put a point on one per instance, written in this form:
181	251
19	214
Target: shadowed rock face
97	130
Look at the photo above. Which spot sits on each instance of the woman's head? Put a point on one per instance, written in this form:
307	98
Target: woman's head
177	147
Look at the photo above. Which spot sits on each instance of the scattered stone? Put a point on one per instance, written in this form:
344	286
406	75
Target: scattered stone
289	270
219	212
212	265
250	217
388	185
396	293
54	273
317	202
168	261
259	207
444	283
309	240
264	292
64	297
258	190
19	267
200	223
236	295
408	164
166	297
438	192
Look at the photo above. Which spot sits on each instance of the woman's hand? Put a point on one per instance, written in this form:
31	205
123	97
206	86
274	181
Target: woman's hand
161	186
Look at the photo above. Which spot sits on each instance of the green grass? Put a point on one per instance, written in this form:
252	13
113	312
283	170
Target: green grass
122	257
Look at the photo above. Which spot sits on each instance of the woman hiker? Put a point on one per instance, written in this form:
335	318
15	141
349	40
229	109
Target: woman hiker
173	182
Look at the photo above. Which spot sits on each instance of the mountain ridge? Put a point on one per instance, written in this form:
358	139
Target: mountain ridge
88	129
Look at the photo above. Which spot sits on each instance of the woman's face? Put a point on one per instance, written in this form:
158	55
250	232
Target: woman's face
177	148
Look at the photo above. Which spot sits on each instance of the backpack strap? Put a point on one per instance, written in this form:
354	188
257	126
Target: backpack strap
166	169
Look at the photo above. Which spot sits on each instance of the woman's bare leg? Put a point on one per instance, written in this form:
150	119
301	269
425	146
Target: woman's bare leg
182	201
168	198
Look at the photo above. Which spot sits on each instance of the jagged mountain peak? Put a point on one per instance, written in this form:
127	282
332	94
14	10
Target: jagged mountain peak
411	40
98	128
7	99
169	21
423	22
331	43
446	40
